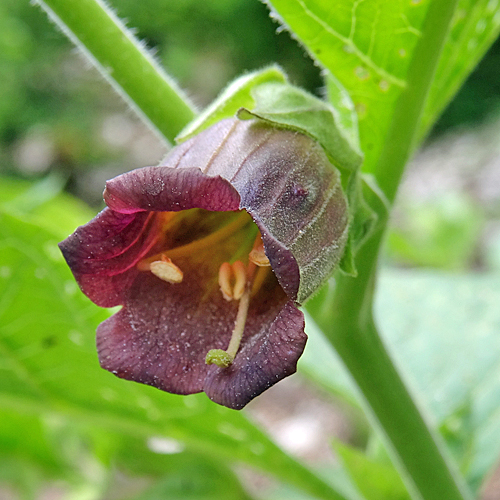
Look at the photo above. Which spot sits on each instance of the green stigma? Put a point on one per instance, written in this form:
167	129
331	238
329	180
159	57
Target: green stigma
218	357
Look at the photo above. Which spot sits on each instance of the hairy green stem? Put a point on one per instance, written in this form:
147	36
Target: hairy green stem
347	319
124	62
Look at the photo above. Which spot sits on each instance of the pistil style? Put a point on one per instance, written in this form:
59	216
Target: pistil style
240	291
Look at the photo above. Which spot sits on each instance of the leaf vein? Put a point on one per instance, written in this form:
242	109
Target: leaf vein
353	48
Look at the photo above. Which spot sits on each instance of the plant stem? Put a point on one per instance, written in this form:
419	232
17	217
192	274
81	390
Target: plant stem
347	318
124	62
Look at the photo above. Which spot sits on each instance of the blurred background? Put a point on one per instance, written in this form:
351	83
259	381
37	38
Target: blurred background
60	121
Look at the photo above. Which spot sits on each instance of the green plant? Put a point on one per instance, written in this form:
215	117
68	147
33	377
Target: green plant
390	67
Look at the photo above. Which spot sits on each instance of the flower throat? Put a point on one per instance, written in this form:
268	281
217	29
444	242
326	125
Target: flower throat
237	281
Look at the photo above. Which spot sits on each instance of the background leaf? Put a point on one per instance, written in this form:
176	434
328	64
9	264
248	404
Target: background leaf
421	316
377	481
27	458
192	477
368	46
476	26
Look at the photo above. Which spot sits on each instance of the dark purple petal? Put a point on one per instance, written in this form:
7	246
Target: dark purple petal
163	333
106	236
264	360
158	189
102	253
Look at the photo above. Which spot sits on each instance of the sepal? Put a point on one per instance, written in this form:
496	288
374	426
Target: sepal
285	106
369	209
237	94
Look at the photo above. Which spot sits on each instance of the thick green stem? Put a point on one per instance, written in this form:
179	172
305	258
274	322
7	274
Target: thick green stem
350	326
124	62
417	452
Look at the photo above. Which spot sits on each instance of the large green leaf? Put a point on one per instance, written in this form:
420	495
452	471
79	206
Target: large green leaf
190	477
476	25
29	446
443	331
45	203
48	365
26	458
368	45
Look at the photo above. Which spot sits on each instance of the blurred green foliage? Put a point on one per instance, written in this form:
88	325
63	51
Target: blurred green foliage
441	233
478	99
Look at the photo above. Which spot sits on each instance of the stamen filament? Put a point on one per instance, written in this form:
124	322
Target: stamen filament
240	279
243	278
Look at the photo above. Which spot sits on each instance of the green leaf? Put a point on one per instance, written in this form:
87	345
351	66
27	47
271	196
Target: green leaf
376	480
345	113
26	457
439	233
236	95
48	365
334	128
368	47
442	331
451	348
191	477
476	26
44	202
27	446
23	196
